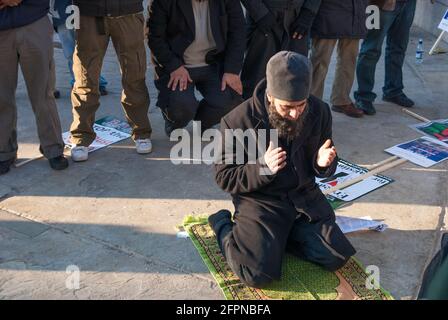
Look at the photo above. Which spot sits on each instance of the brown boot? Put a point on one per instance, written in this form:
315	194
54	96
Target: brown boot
349	109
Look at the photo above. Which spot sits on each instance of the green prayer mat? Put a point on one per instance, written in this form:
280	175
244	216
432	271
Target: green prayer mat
301	280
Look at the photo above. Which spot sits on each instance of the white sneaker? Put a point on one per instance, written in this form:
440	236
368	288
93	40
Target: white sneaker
80	153
143	146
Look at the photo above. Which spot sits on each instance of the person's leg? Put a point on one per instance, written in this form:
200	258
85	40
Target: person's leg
320	241
178	107
345	71
36	57
369	55
67	38
321	51
88	58
216	103
8	85
127	37
254	243
397	44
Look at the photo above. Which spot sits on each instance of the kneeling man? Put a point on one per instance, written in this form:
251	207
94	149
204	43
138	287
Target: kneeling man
278	206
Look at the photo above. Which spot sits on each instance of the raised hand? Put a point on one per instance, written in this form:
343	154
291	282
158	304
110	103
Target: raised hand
275	159
326	154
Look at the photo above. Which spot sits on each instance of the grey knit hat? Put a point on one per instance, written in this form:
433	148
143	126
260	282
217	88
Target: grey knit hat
288	76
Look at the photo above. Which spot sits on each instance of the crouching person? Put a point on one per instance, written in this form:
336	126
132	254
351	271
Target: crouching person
278	206
197	44
26	39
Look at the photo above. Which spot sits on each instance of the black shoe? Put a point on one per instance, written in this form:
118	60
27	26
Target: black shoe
169	127
58	163
401	100
5	166
221	223
218	219
366	106
103	91
56	94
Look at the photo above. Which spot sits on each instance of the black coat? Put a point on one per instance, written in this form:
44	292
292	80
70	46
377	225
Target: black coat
257	9
245	179
340	19
108	8
171	31
267	205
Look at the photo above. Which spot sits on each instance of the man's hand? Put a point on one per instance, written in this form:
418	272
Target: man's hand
326	155
275	159
9	3
233	81
180	77
303	23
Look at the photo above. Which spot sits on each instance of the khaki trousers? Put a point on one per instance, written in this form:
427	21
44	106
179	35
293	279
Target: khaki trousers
126	33
31	47
347	53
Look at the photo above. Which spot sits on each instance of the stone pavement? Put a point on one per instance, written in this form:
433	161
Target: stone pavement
114	216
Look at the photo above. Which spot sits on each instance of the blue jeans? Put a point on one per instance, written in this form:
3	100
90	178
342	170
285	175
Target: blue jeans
67	38
396	26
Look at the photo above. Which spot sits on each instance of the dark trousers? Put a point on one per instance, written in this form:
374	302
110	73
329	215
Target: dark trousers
395	25
181	107
261	47
263	231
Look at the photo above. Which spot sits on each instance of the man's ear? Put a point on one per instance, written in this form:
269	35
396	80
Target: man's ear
269	97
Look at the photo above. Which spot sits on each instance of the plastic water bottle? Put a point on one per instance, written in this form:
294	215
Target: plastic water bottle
419	53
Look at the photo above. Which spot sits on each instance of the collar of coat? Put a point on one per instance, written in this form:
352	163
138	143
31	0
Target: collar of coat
261	116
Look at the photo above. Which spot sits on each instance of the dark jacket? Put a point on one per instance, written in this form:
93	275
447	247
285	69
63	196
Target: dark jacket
109	8
24	14
245	180
257	9
341	19
171	31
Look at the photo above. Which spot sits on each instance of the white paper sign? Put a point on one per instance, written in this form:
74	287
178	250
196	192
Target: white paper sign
437	129
348	224
105	136
347	171
444	23
423	151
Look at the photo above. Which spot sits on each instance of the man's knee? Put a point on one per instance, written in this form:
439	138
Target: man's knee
334	263
181	109
253	278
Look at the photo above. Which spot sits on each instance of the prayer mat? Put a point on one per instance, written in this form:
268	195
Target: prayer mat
301	280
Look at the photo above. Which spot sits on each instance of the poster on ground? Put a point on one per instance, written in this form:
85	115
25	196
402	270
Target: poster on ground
109	130
437	129
347	171
424	151
444	23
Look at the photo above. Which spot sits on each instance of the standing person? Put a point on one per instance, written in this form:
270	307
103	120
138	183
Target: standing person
396	20
274	25
26	41
67	38
197	44
341	23
278	205
123	22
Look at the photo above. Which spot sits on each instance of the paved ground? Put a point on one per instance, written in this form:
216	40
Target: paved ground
114	216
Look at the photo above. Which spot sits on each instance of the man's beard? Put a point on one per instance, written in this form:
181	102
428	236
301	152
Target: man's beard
286	128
